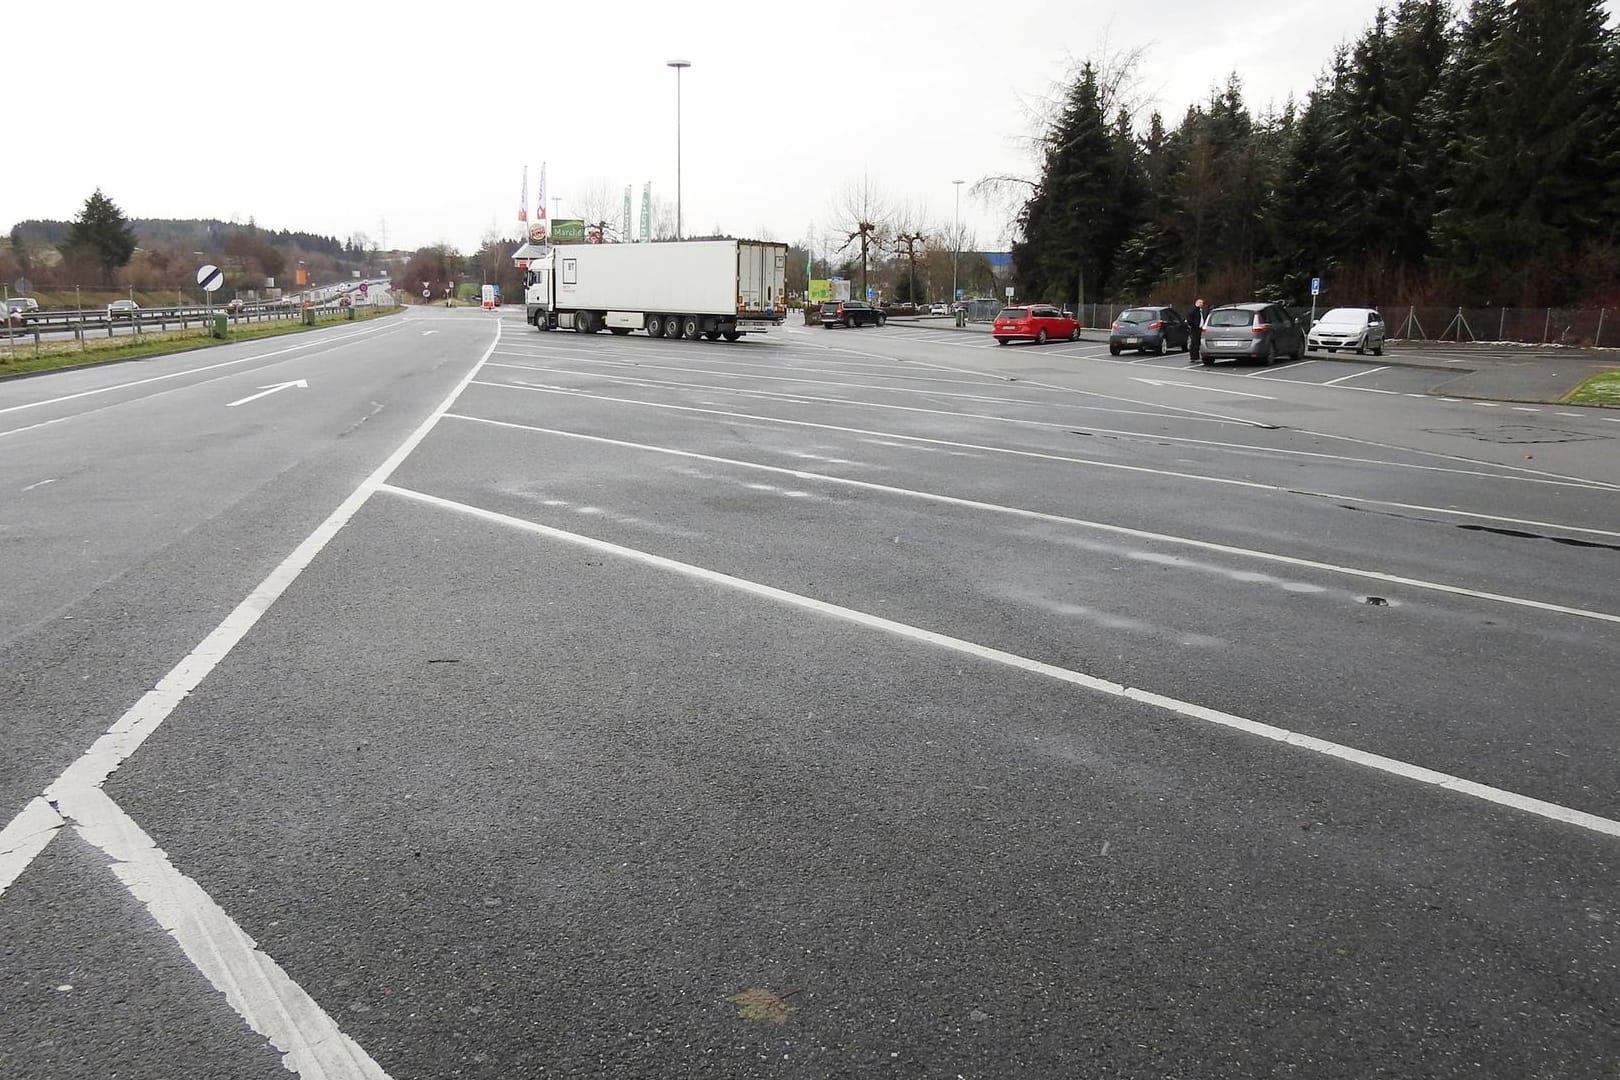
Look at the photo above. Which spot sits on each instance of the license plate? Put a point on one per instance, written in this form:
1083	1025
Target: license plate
1131	341
1227	344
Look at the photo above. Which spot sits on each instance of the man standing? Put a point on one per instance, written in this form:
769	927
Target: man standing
1195	331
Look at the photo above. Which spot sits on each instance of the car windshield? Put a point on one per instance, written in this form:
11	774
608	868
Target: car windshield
1139	315
1015	313
1343	316
1230	317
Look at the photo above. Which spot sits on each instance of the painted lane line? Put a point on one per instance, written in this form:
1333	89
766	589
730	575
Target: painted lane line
1151	412
1377	762
40	484
1195	386
108	752
311	1043
197	370
266	391
1269	372
886	437
24	837
1355	375
1522	408
1082	523
1240	447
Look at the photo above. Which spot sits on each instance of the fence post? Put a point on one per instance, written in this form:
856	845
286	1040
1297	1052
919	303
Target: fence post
1547	327
1597	338
1501	325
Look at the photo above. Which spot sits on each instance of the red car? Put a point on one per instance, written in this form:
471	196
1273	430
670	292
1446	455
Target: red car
1035	322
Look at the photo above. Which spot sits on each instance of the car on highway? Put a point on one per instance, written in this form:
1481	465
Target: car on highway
1148	329
1361	329
939	309
235	306
122	309
1254	331
851	313
19	308
1039	323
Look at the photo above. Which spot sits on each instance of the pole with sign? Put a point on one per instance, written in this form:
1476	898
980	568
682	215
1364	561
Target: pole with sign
1316	287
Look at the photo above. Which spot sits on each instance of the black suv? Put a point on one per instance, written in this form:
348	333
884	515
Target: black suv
1148	329
851	313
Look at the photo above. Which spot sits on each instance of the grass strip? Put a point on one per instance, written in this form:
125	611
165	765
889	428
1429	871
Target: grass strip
1601	389
51	355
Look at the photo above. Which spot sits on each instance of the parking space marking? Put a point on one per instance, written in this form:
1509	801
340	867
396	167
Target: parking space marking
1355	375
1377	762
1521	408
1248	448
1269	372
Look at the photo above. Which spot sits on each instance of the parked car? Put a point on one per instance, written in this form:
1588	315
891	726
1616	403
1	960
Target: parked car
1251	332
1034	322
122	309
851	313
939	309
1148	329
18	308
1361	329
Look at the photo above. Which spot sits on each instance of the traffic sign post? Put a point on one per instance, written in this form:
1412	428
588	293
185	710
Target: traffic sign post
1316	287
211	278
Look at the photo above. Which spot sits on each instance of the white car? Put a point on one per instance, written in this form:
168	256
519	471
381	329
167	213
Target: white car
1361	329
939	309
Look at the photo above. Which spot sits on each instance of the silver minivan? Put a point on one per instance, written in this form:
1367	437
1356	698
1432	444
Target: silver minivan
1260	332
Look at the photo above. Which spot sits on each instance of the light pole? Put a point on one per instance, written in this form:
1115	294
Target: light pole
678	65
956	237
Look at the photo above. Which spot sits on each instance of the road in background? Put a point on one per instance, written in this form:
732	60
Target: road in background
843	703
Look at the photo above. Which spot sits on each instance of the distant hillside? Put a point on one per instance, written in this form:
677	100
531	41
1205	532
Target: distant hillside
195	233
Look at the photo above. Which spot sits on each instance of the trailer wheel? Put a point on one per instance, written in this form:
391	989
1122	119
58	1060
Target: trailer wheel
711	335
731	335
691	329
655	326
672	326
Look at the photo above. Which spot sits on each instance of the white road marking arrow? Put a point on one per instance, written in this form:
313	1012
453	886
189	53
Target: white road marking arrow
1195	386
266	391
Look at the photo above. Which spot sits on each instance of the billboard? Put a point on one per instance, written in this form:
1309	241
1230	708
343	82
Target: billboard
568	231
819	292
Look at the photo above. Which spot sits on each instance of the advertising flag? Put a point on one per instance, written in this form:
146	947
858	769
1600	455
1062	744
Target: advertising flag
646	212
540	196
523	199
625	234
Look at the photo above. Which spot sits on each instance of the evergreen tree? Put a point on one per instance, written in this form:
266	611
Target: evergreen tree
1309	239
1071	227
103	233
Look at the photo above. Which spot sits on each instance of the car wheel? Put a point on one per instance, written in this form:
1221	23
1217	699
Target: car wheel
1271	354
1378	350
1001	341
1158	350
1074	335
1113	350
1040	336
881	319
1209	361
1361	345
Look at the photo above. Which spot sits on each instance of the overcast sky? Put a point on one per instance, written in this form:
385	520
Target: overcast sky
336	119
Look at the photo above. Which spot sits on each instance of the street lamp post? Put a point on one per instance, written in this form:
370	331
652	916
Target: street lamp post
956	237
678	65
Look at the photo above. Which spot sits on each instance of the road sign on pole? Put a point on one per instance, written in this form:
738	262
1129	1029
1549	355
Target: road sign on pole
1316	285
210	277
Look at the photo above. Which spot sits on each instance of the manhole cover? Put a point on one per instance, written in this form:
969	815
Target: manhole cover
1518	433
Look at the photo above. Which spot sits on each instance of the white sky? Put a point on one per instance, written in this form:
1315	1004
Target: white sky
333	118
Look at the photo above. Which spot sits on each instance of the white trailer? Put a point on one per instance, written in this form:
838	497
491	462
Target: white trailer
681	289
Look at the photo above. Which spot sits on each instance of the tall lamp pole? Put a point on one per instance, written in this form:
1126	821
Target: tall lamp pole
956	237
678	65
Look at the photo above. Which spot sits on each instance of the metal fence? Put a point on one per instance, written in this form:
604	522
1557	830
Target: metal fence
1591	327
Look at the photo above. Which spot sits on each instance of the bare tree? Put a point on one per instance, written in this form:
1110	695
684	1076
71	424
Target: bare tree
861	213
601	207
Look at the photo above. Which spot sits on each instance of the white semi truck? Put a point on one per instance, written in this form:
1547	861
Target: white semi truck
680	289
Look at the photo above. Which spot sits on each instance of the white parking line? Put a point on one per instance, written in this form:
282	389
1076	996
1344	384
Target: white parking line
1548	479
1270	371
1376	762
1521	408
1355	375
